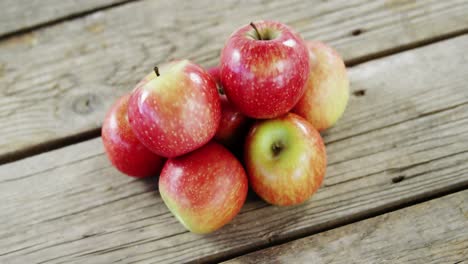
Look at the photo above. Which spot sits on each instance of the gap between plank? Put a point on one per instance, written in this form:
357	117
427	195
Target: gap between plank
405	47
58	20
360	217
49	146
87	135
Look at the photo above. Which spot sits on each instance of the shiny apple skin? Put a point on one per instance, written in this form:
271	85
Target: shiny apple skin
233	126
204	189
214	72
293	175
176	112
327	90
264	78
122	147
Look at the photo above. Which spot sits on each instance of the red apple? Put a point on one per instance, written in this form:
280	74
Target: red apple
123	149
204	189
177	111
327	90
285	159
264	69
214	72
233	126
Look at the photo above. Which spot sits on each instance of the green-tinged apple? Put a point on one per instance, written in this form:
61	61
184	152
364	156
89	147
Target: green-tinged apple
285	159
177	111
204	189
327	90
122	147
264	69
233	126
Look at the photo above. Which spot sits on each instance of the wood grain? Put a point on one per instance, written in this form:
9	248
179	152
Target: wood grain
17	15
431	232
71	206
57	83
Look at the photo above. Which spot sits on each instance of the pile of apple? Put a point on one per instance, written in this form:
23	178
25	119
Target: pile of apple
266	101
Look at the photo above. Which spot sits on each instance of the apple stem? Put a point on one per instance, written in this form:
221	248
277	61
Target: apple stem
156	70
277	148
221	90
256	30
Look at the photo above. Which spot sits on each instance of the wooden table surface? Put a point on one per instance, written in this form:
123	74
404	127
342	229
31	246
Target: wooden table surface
396	188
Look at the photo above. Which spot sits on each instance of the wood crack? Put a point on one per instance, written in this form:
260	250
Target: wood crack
435	112
59	20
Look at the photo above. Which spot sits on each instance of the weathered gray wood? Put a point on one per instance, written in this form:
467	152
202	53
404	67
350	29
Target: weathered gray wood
58	82
16	15
71	206
431	232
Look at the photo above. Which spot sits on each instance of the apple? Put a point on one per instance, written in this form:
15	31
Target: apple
214	72
176	112
204	189
327	90
285	159
264	68
233	126
122	147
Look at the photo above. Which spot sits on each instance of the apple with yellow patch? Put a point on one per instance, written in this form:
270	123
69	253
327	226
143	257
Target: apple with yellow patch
327	90
204	189
177	111
285	159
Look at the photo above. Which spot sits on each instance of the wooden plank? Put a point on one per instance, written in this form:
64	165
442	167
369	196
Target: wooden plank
71	206
431	232
57	82
17	15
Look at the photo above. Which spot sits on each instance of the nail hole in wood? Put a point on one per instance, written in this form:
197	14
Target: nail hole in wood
85	104
359	92
398	179
357	32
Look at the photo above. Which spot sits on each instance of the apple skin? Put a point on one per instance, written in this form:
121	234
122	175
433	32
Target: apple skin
233	126
264	78
214	72
122	147
176	112
150	76
204	189
285	160
327	90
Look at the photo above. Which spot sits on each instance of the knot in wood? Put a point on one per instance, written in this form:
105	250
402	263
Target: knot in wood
85	104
